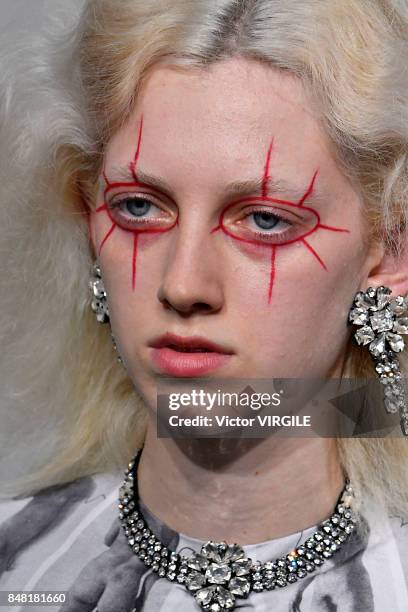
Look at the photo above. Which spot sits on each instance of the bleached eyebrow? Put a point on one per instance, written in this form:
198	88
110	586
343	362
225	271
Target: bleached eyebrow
235	189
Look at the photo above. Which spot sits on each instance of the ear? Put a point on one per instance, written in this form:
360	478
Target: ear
91	230
89	213
389	269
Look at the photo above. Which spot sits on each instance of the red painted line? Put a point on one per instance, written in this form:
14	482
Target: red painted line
135	237
309	190
138	230
119	184
311	249
105	178
133	164
333	229
107	236
136	183
272	274
263	243
266	176
264	197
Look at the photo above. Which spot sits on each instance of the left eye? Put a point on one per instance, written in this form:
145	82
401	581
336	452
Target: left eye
264	220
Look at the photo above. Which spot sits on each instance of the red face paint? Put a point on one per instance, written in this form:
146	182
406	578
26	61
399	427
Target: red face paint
115	222
310	221
311	218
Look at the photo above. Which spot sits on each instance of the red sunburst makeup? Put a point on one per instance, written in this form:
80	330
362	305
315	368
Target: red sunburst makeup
152	227
310	221
232	221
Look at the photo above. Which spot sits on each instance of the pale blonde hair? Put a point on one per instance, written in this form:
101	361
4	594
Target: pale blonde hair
65	397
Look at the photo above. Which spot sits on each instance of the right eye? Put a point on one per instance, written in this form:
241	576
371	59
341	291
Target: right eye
140	212
136	206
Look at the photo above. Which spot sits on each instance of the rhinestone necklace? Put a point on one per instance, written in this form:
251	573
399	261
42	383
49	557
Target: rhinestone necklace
220	573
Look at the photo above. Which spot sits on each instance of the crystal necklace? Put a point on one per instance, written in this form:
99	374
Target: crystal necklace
220	573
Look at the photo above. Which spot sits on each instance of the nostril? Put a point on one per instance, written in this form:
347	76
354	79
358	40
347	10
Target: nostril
186	309
166	304
203	306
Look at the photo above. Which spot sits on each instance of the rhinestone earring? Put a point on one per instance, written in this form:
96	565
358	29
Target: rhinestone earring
381	327
99	303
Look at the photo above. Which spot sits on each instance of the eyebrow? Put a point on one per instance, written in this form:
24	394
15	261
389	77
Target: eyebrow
234	189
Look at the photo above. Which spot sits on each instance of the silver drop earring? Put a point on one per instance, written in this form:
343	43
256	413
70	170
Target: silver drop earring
99	303
382	321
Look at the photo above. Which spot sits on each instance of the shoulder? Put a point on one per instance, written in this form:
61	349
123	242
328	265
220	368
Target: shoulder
62	525
384	556
399	530
69	538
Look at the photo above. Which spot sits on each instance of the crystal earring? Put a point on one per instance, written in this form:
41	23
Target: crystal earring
381	326
99	303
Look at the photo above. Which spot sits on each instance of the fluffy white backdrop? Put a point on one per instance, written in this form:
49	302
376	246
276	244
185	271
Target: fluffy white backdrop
28	13
22	23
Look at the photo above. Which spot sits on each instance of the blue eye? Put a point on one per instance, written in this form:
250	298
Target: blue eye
265	220
136	206
140	212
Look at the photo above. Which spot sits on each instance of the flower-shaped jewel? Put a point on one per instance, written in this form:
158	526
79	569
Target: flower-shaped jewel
382	322
217	575
379	319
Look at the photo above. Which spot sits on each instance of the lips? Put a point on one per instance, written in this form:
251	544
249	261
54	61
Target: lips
187	356
191	344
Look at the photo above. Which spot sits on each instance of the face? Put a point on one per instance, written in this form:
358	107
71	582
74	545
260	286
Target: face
231	244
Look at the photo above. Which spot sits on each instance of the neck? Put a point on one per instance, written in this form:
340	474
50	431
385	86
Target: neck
243	491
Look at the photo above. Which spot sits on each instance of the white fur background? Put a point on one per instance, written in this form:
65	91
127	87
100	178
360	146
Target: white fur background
29	14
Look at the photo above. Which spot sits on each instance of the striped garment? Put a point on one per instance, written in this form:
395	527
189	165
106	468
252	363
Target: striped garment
68	538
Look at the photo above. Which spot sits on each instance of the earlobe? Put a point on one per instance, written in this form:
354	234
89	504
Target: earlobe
391	271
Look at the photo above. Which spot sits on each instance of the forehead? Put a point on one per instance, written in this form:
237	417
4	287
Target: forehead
214	124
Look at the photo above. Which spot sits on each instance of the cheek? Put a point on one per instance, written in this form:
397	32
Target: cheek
120	251
268	256
266	277
305	328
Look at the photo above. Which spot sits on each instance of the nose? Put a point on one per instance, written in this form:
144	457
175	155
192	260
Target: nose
192	281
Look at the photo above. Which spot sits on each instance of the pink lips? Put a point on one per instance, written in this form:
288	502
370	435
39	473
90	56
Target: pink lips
188	356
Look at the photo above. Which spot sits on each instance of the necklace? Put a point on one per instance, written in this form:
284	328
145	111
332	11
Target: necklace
220	573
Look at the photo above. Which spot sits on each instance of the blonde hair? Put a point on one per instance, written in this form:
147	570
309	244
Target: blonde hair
64	393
